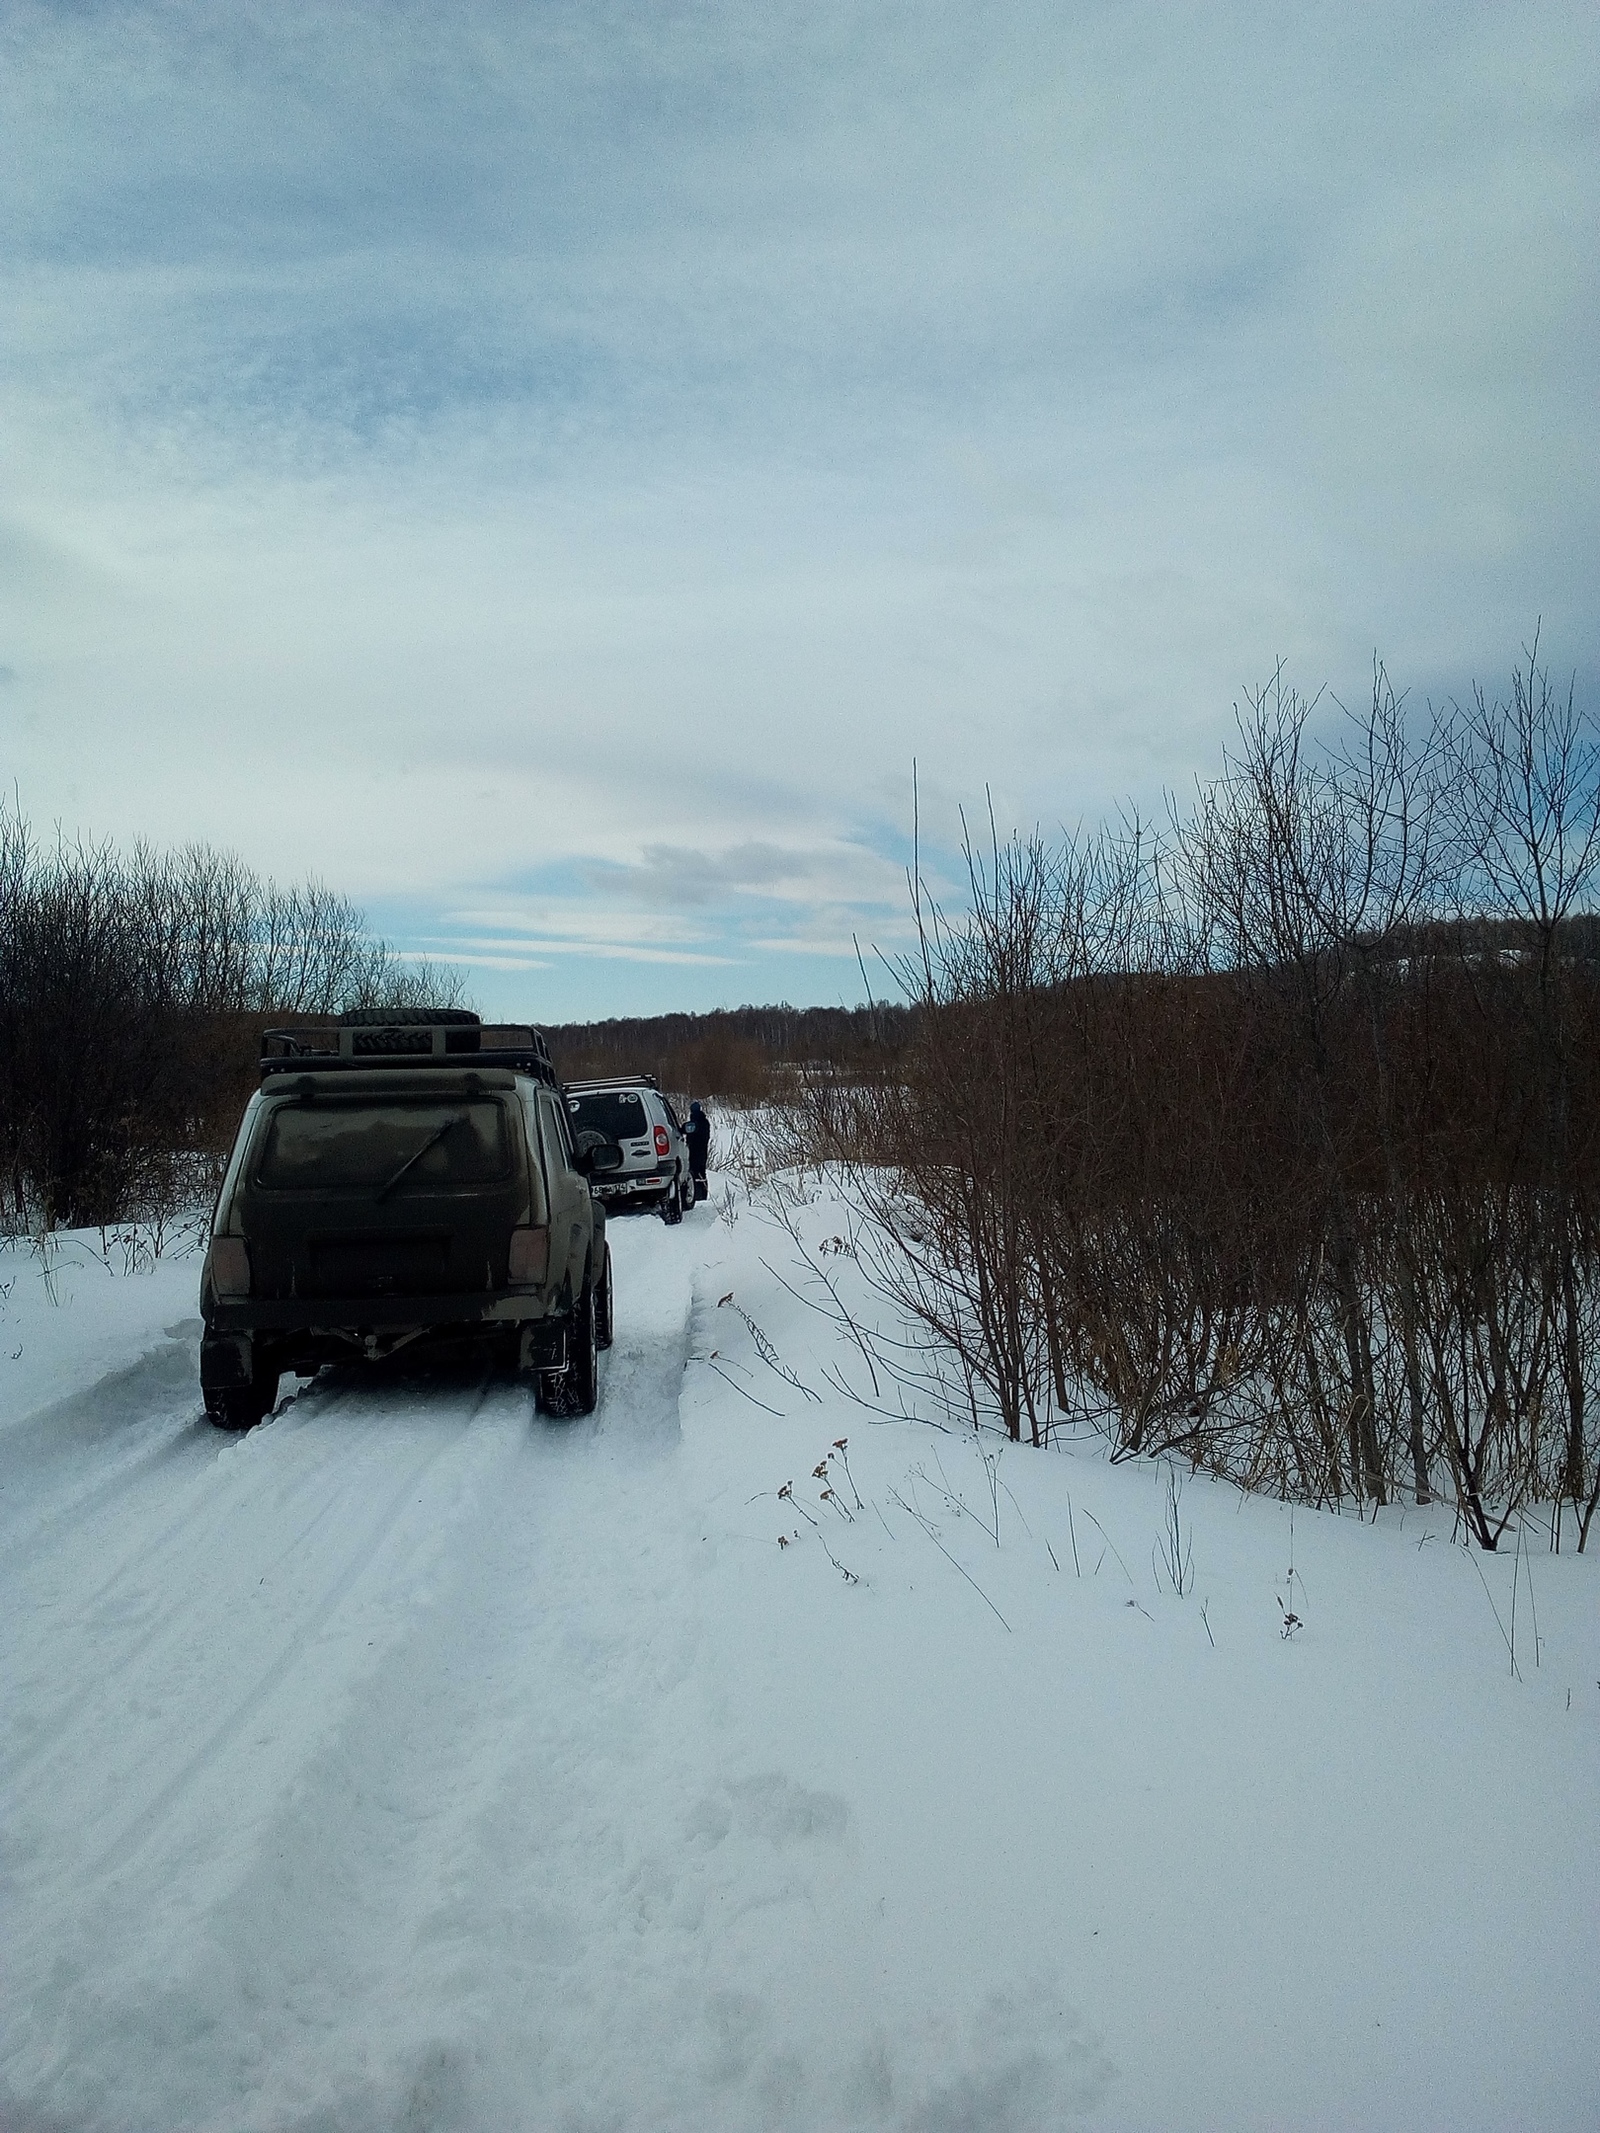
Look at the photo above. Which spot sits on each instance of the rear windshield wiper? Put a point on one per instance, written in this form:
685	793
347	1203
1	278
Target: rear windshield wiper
432	1141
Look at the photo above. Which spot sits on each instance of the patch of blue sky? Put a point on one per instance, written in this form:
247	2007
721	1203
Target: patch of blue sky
742	922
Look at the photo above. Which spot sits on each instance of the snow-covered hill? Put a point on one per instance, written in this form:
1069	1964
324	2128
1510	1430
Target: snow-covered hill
416	1762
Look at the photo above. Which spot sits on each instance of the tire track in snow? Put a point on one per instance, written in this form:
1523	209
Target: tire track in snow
193	1443
163	1666
178	1534
184	1534
510	1751
292	1899
645	1365
139	1420
117	1853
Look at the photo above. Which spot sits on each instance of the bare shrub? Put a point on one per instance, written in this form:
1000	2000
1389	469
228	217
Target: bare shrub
1273	1141
133	988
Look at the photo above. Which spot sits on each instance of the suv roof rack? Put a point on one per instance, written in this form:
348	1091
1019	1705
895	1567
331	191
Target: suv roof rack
616	1081
366	1038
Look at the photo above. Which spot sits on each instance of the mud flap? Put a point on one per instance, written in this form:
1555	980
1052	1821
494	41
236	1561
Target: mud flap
544	1345
227	1362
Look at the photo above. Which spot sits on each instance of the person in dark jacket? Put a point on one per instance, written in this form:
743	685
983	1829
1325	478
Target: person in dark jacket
698	1135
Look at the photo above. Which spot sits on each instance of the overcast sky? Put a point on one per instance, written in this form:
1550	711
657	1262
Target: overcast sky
550	469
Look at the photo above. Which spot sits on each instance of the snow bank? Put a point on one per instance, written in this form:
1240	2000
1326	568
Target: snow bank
80	1307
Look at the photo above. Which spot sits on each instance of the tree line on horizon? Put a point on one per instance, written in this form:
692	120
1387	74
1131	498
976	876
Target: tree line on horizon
743	1055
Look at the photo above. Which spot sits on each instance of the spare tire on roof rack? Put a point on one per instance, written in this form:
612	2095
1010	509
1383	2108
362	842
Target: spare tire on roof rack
380	1033
404	1017
406	1037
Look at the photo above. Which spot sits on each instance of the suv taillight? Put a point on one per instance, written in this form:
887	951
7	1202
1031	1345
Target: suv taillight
663	1145
530	1254
228	1267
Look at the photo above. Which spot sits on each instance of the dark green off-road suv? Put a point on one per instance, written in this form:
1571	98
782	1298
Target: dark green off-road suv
403	1178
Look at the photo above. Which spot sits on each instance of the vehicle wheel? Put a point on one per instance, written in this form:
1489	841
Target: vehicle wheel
243	1406
237	1408
686	1195
583	1356
604	1314
672	1205
575	1390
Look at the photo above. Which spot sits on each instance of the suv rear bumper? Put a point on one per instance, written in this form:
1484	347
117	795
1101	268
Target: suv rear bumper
659	1180
376	1314
306	1333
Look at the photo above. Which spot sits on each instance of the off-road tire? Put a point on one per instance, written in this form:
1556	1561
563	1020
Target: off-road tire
672	1206
604	1312
238	1407
575	1390
583	1356
406	1017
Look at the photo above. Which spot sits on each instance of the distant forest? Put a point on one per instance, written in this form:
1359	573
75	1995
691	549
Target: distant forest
751	1054
742	1054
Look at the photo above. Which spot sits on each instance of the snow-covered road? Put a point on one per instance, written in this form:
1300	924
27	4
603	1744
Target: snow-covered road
417	1762
333	1749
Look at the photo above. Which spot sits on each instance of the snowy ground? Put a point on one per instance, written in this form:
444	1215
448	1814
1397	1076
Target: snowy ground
417	1763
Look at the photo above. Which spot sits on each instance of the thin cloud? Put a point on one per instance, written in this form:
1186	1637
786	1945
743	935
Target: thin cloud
794	946
686	877
512	953
551	470
474	958
581	922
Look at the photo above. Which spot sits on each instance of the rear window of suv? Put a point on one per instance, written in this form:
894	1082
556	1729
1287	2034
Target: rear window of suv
429	1143
617	1113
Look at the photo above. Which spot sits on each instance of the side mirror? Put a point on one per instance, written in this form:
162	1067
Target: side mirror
593	1152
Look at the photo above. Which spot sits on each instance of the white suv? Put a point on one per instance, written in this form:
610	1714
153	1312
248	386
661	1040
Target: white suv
630	1110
